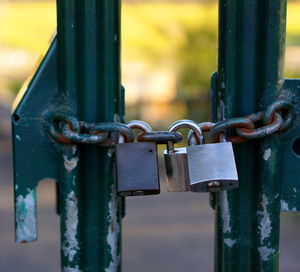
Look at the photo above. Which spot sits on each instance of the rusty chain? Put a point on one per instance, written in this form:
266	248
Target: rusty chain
277	118
67	129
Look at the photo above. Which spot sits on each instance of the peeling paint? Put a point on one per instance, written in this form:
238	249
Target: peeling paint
113	234
221	110
229	242
70	164
71	269
70	245
285	207
16	187
225	212
267	154
117	117
295	190
18	137
265	223
110	153
74	149
265	252
26	221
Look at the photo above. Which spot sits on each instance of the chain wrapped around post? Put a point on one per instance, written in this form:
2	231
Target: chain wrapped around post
277	118
67	129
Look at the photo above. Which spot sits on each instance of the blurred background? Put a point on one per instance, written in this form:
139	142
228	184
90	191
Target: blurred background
168	53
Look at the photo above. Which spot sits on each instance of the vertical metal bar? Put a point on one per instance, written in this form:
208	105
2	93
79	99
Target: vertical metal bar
250	75
89	77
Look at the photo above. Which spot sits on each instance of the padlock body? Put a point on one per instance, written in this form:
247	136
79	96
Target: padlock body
177	170
212	162
137	169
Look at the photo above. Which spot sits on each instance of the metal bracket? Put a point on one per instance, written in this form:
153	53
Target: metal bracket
290	172
290	146
35	153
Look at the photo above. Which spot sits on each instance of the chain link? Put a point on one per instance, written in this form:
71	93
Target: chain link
263	131
68	129
277	118
160	137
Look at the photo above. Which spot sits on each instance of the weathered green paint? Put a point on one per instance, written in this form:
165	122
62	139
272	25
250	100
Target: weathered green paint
89	78
79	76
35	153
250	77
290	169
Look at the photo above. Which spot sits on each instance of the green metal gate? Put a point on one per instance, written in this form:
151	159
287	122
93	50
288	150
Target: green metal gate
78	83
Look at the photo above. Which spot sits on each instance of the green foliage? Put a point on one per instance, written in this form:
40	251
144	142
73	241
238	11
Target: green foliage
14	86
197	61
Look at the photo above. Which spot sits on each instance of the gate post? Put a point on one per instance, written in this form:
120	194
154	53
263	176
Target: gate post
89	78
250	76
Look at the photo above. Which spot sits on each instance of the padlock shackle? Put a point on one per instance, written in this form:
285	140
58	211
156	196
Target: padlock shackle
205	127
188	124
141	125
136	124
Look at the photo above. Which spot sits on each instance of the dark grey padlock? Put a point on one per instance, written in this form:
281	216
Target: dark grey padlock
137	165
176	159
212	167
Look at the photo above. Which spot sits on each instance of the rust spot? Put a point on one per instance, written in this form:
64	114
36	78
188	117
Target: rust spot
64	140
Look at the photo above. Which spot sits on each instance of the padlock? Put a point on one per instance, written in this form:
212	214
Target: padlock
176	159
137	165
212	166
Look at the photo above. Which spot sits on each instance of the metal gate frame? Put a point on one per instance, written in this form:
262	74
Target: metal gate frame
80	76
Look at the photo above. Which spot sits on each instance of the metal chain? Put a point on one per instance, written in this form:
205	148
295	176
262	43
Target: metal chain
68	129
277	118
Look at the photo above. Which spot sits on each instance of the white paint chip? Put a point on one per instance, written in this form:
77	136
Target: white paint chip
110	153
229	242
285	207
265	252
267	154
113	234
70	164
18	137
71	269
70	245
117	117
74	149
26	222
265	222
225	212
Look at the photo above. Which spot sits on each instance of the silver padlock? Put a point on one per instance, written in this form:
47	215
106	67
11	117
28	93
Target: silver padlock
176	159
212	166
137	165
